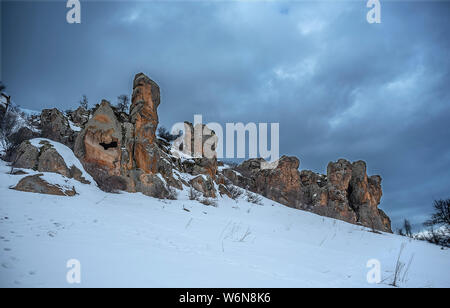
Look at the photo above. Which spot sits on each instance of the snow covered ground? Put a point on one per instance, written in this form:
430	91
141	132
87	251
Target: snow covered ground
131	240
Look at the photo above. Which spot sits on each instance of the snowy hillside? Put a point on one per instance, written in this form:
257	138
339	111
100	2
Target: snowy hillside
131	240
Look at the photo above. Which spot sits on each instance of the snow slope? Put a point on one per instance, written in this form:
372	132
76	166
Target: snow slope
131	240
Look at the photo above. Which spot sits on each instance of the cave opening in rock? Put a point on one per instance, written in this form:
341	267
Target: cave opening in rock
107	146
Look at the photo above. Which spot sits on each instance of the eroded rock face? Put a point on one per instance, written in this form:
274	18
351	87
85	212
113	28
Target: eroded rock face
100	142
281	183
144	116
36	184
55	126
365	195
122	152
80	116
205	185
200	142
26	156
345	193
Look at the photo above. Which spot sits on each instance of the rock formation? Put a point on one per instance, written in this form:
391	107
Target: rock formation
45	158
345	193
122	152
55	126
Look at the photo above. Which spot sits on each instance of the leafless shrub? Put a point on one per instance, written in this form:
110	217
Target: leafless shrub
408	228
193	194
172	193
234	191
10	137
400	271
208	202
441	216
401	232
398	267
253	198
123	101
164	134
84	102
440	237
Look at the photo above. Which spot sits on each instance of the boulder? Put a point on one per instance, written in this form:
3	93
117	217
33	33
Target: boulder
26	156
205	185
35	184
80	116
150	184
45	159
200	142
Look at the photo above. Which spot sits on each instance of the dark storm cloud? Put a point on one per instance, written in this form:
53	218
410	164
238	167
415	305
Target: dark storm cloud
339	87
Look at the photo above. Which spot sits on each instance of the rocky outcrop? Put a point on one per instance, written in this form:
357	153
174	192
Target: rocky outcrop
122	152
26	156
35	184
79	117
144	117
200	142
205	185
345	193
45	159
99	144
55	126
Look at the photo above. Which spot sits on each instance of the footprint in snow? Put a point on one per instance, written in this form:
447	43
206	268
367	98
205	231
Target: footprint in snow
6	265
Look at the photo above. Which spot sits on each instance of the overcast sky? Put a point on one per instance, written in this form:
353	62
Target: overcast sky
339	86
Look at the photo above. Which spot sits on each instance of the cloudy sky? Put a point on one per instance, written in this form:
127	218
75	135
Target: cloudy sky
338	86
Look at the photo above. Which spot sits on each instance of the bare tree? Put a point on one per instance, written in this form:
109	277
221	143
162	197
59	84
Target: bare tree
253	198
193	194
441	216
123	101
163	133
234	191
172	193
408	228
10	137
7	97
84	102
